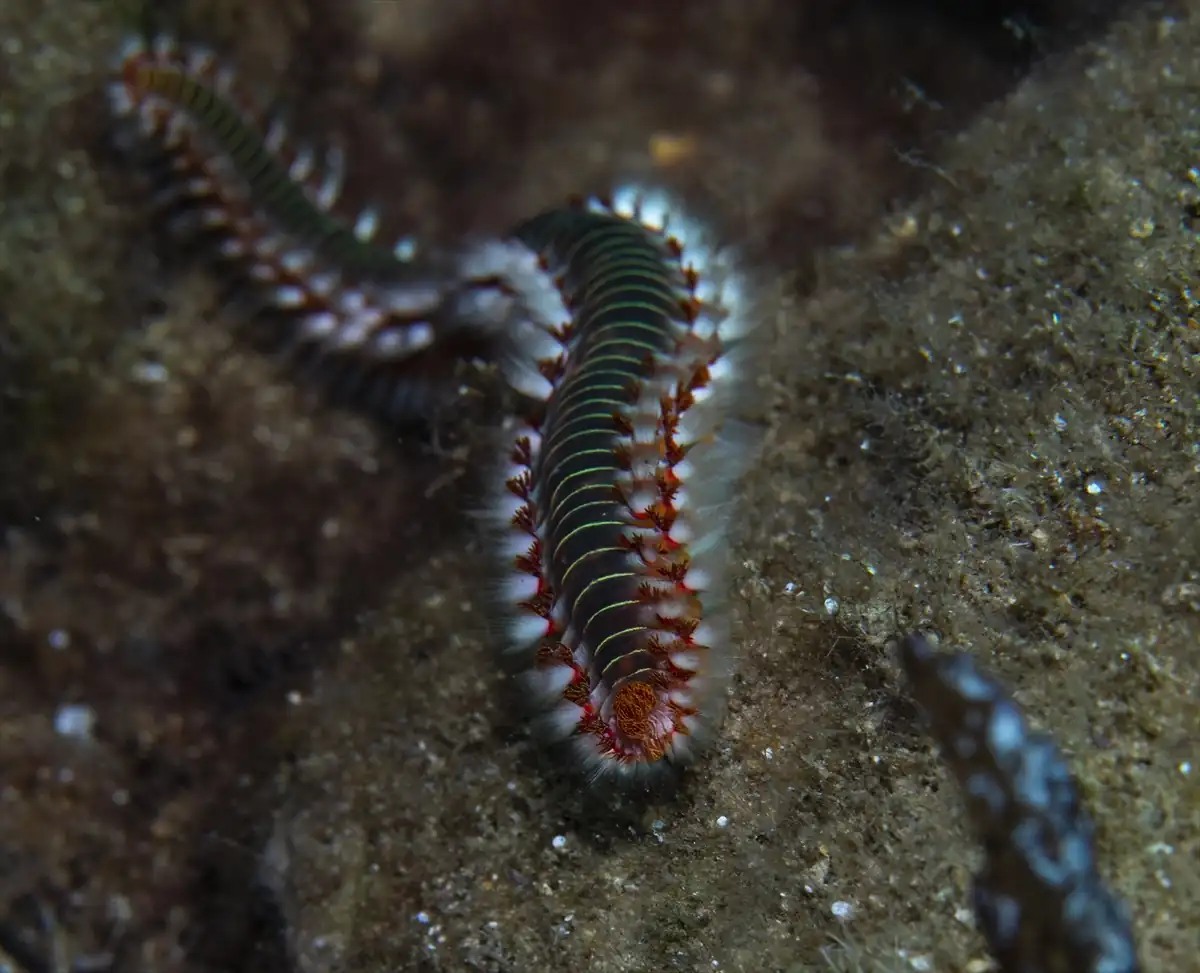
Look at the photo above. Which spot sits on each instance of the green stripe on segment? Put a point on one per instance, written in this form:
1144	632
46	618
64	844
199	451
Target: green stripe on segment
271	187
623	295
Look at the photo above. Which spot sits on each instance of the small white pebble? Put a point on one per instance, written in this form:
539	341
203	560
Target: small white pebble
119	910
150	373
422	917
842	910
769	753
1094	486
722	822
920	963
831	606
1185	768
75	720
559	841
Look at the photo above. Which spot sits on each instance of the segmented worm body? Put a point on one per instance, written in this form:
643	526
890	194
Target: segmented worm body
617	493
622	323
1039	900
272	204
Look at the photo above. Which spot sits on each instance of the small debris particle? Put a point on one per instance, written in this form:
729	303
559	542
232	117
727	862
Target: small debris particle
75	720
150	373
1142	229
670	149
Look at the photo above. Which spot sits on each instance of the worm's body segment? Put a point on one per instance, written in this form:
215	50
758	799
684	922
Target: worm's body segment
615	499
273	205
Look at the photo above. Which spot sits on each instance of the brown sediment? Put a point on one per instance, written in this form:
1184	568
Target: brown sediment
210	539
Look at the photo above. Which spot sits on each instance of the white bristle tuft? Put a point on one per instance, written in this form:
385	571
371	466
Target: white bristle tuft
550	681
560	722
366	225
318	327
395	343
296	261
529	381
625	202
302	166
213	217
655	213
119	98
519	588
131	47
200	60
290	296
325	284
224	81
276	137
176	131
331	187
411	299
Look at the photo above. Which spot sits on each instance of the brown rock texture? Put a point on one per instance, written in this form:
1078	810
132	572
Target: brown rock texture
977	239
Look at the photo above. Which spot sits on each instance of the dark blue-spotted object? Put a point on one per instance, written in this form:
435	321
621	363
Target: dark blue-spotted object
1039	900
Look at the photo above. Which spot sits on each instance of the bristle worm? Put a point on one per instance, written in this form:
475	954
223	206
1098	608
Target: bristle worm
615	497
620	320
272	203
184	93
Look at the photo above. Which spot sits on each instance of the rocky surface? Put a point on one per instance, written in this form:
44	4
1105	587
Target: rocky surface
248	713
